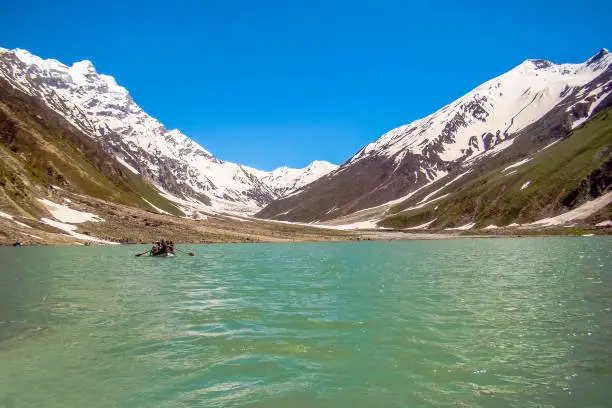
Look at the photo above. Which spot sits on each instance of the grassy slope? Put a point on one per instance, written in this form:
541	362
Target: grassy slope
496	197
37	149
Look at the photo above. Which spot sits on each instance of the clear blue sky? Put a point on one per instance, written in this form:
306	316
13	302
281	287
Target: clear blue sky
270	82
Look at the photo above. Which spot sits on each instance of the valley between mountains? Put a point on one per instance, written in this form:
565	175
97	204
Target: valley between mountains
528	152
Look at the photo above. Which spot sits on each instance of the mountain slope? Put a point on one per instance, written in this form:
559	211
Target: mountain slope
528	187
543	99
105	112
39	149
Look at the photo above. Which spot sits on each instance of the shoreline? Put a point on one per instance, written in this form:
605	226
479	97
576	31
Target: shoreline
351	236
81	220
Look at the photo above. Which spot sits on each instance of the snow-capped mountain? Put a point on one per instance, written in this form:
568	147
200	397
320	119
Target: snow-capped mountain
493	111
285	180
176	165
470	129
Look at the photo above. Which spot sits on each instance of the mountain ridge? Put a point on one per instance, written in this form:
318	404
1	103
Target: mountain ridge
180	168
498	123
473	128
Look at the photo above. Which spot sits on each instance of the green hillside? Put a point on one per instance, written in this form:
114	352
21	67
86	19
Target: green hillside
560	177
38	149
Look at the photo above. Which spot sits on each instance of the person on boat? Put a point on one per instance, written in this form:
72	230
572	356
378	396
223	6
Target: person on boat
155	249
164	247
171	247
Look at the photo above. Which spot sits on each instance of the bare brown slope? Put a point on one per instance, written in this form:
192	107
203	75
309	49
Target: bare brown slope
128	224
352	187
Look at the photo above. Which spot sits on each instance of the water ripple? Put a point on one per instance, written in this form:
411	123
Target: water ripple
478	323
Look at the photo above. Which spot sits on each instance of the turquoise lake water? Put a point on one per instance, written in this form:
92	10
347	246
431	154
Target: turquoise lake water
458	323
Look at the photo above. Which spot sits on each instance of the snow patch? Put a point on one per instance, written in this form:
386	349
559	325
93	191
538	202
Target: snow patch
489	153
21	224
334	208
606	223
10	217
71	231
5	215
422	226
369	224
525	185
397	161
549	145
67	214
159	210
237	218
407	196
127	165
462	227
421	205
579	213
594	94
443	187
516	164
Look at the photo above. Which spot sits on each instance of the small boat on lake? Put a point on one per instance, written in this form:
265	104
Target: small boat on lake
164	255
164	249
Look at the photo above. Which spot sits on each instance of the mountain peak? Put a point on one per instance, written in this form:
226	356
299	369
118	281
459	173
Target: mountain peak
27	57
597	58
321	164
541	64
85	66
82	72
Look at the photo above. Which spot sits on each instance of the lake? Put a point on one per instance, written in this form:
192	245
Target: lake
455	323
